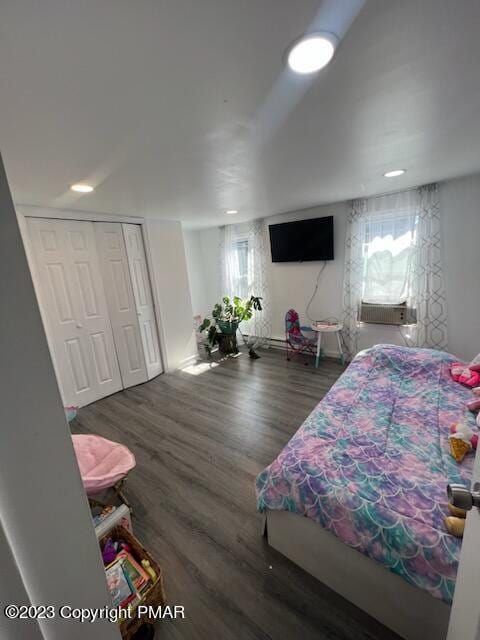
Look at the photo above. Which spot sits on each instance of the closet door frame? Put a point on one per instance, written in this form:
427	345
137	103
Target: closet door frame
24	212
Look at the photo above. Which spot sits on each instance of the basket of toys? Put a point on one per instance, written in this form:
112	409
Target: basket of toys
133	578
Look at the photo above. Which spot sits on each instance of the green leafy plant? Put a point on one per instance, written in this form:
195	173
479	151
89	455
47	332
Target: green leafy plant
226	317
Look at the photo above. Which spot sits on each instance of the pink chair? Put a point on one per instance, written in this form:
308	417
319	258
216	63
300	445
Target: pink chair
297	342
103	464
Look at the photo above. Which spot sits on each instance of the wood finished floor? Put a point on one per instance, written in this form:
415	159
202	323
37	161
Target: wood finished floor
200	441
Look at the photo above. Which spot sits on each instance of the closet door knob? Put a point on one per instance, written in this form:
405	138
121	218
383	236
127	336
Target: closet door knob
79	326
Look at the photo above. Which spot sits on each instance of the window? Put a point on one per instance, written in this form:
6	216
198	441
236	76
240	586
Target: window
388	253
241	257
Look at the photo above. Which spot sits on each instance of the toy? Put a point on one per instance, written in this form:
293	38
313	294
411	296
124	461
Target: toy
109	552
469	375
149	569
462	440
474	405
455	523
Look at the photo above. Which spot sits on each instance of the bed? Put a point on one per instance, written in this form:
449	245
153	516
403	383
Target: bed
367	472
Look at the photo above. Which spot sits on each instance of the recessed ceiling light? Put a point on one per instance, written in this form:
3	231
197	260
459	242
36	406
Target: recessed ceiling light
82	188
231	212
312	52
394	173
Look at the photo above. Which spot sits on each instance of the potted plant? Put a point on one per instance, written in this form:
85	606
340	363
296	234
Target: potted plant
226	317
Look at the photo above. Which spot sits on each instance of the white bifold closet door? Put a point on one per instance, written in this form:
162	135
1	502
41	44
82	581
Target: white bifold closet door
121	302
72	298
95	296
143	297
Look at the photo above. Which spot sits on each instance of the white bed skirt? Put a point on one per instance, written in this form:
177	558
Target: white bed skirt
412	613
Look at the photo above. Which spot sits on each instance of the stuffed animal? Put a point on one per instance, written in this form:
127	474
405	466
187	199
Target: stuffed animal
455	523
469	375
462	440
474	405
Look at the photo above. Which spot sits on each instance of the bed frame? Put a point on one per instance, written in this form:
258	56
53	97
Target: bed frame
411	612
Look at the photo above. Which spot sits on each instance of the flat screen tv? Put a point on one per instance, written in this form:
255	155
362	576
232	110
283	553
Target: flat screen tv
302	241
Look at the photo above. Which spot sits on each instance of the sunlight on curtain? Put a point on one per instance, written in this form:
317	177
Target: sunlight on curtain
244	273
388	251
241	258
229	265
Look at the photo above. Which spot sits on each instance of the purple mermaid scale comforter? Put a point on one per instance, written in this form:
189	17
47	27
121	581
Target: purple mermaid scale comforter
371	463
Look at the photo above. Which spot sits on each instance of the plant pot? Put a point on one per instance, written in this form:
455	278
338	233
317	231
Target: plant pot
227	327
227	343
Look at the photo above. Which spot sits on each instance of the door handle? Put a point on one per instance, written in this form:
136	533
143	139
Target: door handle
79	326
461	497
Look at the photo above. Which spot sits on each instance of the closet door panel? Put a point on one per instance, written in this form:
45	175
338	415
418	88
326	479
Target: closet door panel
143	297
91	308
58	286
77	365
71	293
121	303
87	290
150	342
54	293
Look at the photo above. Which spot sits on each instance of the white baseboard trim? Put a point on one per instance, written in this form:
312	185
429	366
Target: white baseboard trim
186	362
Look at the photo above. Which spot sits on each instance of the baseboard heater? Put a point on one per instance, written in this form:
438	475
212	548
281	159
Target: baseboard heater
396	314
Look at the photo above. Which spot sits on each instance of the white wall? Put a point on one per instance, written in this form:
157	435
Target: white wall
166	250
203	261
13	591
44	513
460	201
292	284
195	269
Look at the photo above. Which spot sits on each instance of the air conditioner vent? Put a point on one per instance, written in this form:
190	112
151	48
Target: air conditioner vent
396	314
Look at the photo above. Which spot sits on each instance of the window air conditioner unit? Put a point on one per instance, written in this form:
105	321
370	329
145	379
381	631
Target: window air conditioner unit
396	314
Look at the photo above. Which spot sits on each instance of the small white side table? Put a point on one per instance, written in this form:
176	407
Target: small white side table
322	328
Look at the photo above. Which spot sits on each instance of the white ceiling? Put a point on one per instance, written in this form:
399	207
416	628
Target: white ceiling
182	108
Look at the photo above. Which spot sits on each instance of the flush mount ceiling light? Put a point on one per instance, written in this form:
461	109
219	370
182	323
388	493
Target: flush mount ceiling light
81	188
231	212
394	174
311	52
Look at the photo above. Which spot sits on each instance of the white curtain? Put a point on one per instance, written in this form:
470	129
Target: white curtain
428	283
393	255
229	267
259	328
353	275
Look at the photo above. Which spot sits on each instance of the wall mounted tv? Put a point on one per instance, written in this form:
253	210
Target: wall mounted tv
302	241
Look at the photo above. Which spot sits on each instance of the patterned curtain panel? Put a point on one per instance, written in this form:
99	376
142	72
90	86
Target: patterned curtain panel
353	276
428	280
393	255
229	267
234	240
260	327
